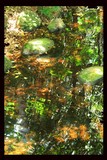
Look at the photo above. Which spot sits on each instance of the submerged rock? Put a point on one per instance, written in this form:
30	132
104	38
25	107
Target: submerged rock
21	128
91	75
7	64
28	20
56	24
37	46
21	125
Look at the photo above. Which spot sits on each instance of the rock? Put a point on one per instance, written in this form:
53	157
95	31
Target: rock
20	128
21	125
21	111
7	64
45	62
56	24
28	20
91	75
37	46
24	130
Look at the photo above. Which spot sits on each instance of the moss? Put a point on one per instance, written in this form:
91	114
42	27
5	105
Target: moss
37	46
29	20
91	75
50	12
56	24
7	64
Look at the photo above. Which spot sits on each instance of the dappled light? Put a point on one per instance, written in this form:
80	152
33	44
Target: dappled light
53	94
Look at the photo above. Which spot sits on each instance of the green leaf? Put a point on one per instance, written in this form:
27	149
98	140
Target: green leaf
11	103
67	29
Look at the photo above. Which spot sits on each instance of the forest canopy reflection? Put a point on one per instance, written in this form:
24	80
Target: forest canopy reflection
53	99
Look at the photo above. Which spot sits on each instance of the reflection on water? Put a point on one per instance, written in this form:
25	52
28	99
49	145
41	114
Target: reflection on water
19	125
18	134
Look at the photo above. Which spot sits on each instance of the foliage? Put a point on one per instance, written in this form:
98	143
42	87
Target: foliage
93	26
37	105
60	71
50	12
12	147
10	107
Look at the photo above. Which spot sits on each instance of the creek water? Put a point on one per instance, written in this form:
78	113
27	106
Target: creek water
21	125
